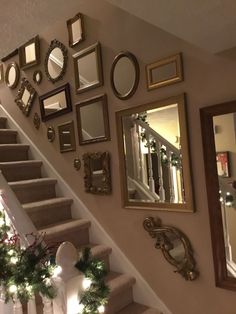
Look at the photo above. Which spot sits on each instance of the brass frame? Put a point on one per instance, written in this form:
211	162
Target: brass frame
89	101
1	73
177	59
16	66
56	44
21	51
187	267
25	84
40	77
69	23
51	134
212	185
188	206
67	126
134	61
97	49
66	89
105	158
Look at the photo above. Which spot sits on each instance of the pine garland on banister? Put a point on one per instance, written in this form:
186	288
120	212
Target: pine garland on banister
96	293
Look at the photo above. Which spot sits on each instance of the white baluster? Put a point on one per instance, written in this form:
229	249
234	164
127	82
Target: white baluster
151	182
160	173
47	306
17	307
172	196
31	306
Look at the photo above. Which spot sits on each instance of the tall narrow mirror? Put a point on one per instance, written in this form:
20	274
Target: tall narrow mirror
218	135
154	158
75	30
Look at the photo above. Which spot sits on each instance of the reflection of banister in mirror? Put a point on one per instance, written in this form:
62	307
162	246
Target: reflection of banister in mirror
218	135
154	156
175	247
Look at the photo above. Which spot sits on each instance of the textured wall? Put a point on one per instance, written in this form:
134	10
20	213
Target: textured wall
208	80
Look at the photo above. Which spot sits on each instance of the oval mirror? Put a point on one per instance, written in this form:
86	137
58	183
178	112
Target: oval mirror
37	77
56	61
124	75
12	75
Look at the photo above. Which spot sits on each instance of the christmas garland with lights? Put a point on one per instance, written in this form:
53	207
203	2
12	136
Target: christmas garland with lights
95	296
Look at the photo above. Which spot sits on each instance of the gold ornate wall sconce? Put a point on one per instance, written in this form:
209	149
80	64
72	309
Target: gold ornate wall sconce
174	245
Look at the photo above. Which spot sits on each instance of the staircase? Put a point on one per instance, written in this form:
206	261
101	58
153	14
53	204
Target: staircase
52	214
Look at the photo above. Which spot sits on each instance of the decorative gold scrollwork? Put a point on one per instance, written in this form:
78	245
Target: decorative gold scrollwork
174	245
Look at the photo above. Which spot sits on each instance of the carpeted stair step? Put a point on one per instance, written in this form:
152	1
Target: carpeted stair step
21	170
34	190
3	122
8	136
121	293
73	230
48	212
13	152
136	308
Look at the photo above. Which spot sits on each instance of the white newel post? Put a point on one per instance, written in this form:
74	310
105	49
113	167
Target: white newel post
160	173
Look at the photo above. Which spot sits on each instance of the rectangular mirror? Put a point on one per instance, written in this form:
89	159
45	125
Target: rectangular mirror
154	156
88	68
67	137
93	120
55	103
218	136
25	96
75	30
164	72
1	73
29	53
97	179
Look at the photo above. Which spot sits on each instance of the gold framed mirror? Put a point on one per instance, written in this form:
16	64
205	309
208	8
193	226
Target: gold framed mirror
55	103
55	62
25	96
29	53
164	72
1	73
12	75
88	68
75	28
218	137
97	179
124	75
154	156
66	133
93	120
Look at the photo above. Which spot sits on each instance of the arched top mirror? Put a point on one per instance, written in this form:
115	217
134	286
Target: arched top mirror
154	156
56	61
124	75
12	75
218	136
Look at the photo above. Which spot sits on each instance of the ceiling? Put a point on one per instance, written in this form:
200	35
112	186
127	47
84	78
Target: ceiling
208	24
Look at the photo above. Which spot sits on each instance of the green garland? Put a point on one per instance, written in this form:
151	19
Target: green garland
96	295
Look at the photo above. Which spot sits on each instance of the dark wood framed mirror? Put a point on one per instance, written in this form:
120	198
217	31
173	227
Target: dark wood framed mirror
29	53
218	135
66	133
93	120
75	28
55	103
12	75
1	73
37	77
88	68
124	75
154	156
56	61
25	96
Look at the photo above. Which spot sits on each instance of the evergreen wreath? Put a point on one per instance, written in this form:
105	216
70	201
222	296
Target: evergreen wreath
96	295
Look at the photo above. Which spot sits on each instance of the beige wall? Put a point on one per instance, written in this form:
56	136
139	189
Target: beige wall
208	80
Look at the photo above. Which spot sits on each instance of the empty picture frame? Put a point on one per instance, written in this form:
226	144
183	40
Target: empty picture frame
88	68
164	72
75	28
29	53
93	120
67	137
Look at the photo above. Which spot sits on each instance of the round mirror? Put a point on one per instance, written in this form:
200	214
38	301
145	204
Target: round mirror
124	75
12	75
55	61
51	134
37	77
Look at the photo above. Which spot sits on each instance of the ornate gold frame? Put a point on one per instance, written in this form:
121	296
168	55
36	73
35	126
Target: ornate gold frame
187	266
25	108
21	50
178	77
88	159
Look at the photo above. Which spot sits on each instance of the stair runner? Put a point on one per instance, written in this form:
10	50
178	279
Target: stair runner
52	215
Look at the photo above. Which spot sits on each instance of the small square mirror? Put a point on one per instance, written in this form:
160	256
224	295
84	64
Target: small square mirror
75	30
29	53
67	137
88	68
92	120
